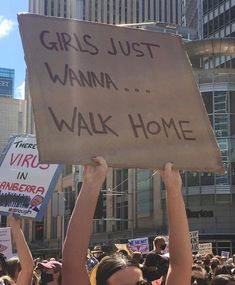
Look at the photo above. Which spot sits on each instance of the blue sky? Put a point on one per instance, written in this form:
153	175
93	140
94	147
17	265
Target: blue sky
11	51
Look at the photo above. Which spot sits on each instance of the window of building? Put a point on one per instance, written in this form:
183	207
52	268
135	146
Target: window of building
207	200
3	221
26	230
216	23
193	201
122	215
192	179
69	197
68	169
144	192
232	125
207	178
216	3
210	27
233	173
227	17
45	8
205	30
232	102
52	8
221	102
121	180
221	20
221	125
205	6
39	231
53	227
232	149
208	101
210	4
232	13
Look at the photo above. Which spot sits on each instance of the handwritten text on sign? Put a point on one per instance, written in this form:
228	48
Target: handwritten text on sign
122	93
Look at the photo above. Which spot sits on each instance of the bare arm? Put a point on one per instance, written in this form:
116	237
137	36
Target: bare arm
179	272
80	226
24	254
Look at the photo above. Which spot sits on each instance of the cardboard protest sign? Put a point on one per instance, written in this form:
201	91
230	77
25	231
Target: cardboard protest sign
123	246
25	185
5	242
205	248
123	93
194	236
139	244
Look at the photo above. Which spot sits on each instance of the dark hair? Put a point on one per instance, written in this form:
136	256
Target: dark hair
157	240
3	264
222	279
13	265
110	265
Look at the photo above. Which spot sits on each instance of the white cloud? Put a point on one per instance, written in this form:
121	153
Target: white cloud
6	26
20	91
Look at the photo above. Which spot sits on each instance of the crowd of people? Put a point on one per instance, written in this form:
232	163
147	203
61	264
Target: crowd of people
80	266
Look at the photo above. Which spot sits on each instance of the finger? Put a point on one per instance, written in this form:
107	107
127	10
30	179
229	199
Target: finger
169	166
100	160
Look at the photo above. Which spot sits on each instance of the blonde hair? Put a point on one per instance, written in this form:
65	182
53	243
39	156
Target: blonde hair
6	280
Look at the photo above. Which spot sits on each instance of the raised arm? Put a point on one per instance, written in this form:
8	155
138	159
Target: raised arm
24	254
80	226
179	272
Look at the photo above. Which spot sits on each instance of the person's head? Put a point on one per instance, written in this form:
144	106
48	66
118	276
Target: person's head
198	275
159	244
37	200
115	270
6	280
97	252
222	269
123	253
50	271
214	263
13	267
137	256
3	265
223	279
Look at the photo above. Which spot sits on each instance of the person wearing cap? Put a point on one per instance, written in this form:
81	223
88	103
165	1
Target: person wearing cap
50	272
98	252
117	271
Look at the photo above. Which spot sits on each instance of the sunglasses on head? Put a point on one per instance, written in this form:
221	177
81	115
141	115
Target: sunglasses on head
198	281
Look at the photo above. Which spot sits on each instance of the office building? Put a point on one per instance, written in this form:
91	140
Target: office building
12	111
111	11
210	198
7	77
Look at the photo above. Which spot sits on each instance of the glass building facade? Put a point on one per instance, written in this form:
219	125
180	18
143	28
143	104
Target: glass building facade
7	77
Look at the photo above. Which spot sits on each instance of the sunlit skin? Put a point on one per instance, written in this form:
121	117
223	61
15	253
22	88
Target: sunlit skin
127	276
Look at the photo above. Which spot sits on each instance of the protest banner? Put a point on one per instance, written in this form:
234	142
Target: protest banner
25	185
225	253
139	244
194	236
205	248
122	93
5	242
